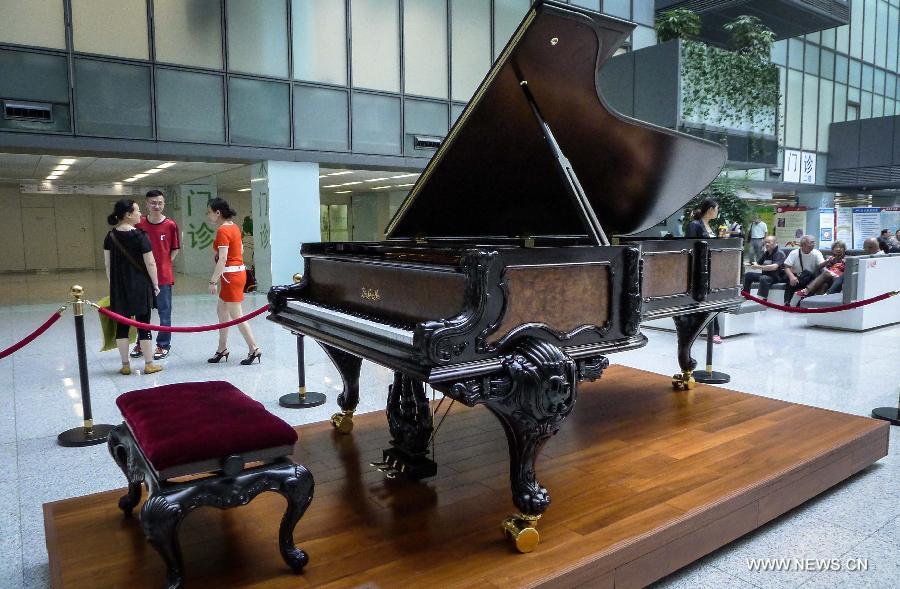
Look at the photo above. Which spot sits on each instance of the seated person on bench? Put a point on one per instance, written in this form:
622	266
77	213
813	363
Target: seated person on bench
832	270
767	269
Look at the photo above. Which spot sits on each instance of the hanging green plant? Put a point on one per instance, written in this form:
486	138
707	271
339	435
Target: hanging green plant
680	23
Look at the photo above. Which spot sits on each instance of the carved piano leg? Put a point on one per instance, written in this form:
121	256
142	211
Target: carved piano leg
409	419
348	366
688	327
531	397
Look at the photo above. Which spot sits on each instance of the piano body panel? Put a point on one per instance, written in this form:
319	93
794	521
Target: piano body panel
666	274
725	268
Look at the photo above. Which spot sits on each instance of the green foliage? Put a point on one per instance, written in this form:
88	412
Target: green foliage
750	35
680	23
731	206
247	225
734	89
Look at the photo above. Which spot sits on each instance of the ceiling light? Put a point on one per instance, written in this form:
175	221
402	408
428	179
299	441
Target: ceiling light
68	161
140	175
166	165
381	187
376	179
403	176
351	183
153	171
61	168
342	191
52	177
132	179
340	173
403	185
333	186
322	175
244	189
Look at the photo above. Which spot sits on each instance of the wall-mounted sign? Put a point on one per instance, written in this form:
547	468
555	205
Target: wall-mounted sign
799	166
826	227
101	189
791	165
843	220
866	224
807	167
790	225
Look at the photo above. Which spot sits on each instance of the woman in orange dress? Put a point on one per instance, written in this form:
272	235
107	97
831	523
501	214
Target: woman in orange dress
228	278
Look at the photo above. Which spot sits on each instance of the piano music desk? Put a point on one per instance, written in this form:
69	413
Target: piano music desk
636	498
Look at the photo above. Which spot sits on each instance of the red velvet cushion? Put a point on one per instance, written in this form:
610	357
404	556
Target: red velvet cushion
190	422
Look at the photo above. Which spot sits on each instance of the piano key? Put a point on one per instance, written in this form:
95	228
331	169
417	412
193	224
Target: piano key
396	334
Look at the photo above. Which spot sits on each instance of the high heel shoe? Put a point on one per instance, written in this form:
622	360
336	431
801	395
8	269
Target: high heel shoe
254	355
219	355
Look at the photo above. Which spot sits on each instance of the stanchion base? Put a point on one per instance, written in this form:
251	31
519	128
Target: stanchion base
711	377
293	401
891	414
79	436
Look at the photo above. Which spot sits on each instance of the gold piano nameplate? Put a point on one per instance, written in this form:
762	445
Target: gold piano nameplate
370	294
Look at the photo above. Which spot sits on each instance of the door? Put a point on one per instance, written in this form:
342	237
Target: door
74	232
38	226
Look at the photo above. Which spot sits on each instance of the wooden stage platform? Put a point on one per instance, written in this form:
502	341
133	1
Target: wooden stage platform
643	480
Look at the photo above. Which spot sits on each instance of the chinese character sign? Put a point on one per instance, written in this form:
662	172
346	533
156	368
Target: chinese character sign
807	168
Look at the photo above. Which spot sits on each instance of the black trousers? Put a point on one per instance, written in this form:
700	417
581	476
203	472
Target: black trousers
765	282
122	329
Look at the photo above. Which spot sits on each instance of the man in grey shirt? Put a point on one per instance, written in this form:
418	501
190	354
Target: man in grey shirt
758	232
801	266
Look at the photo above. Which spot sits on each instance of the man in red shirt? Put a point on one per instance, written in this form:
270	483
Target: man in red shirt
166	242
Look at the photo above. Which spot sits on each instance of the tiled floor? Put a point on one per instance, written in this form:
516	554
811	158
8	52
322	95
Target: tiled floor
851	372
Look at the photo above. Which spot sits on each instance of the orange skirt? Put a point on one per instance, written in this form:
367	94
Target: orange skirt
231	286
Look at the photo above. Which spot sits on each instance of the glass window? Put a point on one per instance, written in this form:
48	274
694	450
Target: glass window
259	112
112	99
795	54
188	32
828	38
878	106
257	37
890	85
620	8
826	64
810	111
320	119
840	68
855	73
868	75
826	96
455	111
782	96
842	39
811	59
376	44
507	16
779	52
853	95
881	35
34	76
865	105
122	24
892	38
423	118
470	45
814	37
320	41
840	103
190	106
425	48
42	25
868	32
794	105
856	29
642	37
376	124
643	13
889	107
592	4
879	82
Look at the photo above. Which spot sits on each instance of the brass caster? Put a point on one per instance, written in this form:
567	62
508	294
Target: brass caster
343	421
683	381
520	529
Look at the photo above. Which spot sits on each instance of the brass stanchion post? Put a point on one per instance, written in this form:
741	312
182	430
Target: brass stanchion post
710	376
88	434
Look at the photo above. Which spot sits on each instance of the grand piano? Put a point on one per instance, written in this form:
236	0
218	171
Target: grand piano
498	283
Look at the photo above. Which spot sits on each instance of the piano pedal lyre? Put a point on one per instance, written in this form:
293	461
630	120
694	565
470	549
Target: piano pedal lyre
522	531
389	467
684	381
343	421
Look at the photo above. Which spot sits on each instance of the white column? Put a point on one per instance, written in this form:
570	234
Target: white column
197	234
285	215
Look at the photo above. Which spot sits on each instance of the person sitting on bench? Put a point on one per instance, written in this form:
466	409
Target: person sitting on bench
832	270
767	269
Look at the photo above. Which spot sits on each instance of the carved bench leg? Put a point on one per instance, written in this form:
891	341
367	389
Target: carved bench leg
120	447
348	366
298	491
160	519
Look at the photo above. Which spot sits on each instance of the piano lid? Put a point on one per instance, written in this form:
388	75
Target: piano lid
495	175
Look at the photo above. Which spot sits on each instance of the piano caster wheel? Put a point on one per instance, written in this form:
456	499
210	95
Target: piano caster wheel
683	381
520	529
343	421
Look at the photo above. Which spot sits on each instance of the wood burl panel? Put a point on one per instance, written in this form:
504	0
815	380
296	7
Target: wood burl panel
725	269
561	297
666	274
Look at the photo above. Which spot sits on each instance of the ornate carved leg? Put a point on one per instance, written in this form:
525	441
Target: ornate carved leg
120	446
298	490
409	420
160	519
531	397
348	366
687	328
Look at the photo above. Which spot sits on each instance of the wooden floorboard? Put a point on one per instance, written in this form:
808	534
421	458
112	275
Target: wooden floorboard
644	480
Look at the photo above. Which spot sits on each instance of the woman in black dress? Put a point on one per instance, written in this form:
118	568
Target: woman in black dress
131	271
699	229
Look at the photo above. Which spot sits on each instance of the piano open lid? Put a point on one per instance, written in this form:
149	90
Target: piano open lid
495	174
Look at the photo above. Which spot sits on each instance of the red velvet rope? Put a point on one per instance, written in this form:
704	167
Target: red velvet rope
836	308
32	336
127	321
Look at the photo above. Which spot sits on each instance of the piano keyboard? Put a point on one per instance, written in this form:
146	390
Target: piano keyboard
385	330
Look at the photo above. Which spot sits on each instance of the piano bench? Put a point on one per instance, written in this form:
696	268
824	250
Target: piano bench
197	444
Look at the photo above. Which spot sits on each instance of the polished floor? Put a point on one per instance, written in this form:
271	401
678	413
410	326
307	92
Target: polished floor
850	372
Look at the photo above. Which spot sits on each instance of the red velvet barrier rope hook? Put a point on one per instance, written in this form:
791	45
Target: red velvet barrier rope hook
834	309
33	335
127	321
